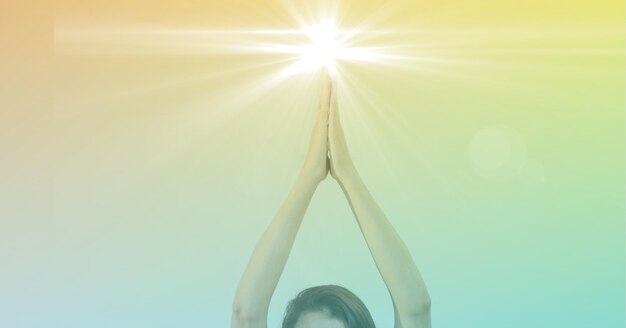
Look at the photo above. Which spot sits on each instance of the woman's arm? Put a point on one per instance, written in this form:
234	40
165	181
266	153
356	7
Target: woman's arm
268	260
404	282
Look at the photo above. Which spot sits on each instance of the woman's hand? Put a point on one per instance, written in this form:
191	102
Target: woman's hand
341	165
316	164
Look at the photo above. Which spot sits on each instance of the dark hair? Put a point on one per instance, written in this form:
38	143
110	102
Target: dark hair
336	301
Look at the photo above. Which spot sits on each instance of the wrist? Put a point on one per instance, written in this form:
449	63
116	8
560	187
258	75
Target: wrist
347	175
309	178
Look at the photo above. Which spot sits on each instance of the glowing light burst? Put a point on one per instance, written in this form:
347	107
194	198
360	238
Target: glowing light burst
439	52
326	46
313	47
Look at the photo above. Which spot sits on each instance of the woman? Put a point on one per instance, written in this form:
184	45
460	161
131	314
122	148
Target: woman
330	306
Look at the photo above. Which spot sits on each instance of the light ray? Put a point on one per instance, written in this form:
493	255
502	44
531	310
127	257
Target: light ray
282	63
443	52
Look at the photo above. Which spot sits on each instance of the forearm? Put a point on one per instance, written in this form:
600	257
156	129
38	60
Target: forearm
392	258
270	255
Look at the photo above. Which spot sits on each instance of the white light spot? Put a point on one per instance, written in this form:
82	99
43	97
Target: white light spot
325	48
327	45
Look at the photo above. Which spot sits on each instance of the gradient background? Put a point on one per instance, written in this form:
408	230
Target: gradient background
136	179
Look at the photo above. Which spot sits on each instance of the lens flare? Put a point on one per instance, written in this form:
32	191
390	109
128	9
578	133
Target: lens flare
327	45
324	49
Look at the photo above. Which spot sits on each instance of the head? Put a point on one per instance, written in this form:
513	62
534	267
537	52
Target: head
327	306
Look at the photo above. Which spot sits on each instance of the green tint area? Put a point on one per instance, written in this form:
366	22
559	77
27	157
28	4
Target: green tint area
493	141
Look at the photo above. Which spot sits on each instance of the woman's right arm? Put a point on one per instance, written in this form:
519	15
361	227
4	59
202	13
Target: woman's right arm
268	260
266	264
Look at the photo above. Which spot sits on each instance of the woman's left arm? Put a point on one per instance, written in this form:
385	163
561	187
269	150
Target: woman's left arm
408	291
403	280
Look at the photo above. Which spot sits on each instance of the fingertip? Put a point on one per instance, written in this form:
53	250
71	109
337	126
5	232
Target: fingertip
325	75
333	92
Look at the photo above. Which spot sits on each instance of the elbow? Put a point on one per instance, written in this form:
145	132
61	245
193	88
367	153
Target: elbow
245	315
424	306
421	308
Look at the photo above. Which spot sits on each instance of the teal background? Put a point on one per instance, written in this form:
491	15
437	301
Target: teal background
136	178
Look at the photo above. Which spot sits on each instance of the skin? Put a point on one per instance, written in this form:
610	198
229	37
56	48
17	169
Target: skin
328	152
